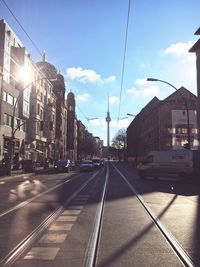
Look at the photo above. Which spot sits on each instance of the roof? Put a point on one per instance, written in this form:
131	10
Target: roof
196	46
197	31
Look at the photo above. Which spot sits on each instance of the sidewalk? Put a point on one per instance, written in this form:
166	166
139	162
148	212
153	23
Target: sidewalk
21	173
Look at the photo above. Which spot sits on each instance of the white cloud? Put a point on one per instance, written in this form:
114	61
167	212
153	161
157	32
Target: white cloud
83	98
98	122
110	79
113	100
87	75
183	70
151	90
179	48
123	123
142	82
82	75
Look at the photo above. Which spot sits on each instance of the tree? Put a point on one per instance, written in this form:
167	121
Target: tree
119	143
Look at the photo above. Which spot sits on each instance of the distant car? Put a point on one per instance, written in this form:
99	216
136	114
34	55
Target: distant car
62	165
86	165
97	163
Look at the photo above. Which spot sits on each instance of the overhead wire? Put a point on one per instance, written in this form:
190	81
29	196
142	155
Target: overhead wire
124	59
17	20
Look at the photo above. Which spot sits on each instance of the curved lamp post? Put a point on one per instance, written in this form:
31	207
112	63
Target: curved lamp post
185	102
13	130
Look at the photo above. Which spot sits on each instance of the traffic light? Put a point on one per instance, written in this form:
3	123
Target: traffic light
186	146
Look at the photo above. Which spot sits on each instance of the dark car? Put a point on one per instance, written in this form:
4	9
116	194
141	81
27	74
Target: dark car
62	165
97	163
86	165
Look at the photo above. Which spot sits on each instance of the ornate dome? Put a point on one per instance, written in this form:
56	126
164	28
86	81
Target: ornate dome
48	69
70	95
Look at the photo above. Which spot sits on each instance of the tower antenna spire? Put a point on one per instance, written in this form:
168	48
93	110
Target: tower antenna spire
108	120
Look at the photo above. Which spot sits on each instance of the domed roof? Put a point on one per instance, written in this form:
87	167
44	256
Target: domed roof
70	95
47	68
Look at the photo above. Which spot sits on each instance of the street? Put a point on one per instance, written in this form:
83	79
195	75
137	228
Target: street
108	217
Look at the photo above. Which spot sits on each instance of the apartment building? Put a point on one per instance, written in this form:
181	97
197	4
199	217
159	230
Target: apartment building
24	103
14	104
163	125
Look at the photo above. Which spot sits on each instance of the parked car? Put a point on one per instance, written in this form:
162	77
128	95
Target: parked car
62	165
86	165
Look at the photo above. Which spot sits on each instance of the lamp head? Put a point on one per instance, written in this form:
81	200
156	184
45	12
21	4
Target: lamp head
152	80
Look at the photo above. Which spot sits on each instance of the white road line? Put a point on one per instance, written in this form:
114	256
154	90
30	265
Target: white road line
52	238
68	218
61	227
71	212
40	253
74	207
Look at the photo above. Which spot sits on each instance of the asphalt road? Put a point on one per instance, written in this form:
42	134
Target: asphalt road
57	213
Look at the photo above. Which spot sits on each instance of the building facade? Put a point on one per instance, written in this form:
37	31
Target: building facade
14	103
162	125
196	49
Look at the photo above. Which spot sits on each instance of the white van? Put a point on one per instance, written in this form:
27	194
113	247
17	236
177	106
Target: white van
170	162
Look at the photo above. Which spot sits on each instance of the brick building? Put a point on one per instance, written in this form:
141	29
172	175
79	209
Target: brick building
162	125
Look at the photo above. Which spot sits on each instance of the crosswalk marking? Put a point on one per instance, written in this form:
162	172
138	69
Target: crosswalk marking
61	227
40	253
68	218
75	207
53	238
71	212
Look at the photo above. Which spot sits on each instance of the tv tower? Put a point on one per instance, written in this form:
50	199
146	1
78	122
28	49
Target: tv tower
108	120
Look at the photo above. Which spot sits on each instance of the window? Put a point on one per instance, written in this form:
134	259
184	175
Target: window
5	96
38	109
10	99
7	120
148	159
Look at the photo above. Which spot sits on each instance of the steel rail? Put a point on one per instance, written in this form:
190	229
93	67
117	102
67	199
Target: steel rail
19	249
93	244
175	245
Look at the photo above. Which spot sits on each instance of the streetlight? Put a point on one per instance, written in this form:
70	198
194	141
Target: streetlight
129	114
91	119
185	102
13	130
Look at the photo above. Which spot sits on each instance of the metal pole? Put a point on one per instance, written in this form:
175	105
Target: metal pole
185	102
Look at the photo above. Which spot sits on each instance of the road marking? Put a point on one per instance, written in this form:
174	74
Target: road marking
61	227
71	212
75	207
68	218
42	253
52	238
79	202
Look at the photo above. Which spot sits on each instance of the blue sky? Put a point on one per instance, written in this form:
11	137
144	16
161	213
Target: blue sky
85	41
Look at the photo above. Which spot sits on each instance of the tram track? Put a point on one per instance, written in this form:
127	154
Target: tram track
175	245
20	248
93	244
96	229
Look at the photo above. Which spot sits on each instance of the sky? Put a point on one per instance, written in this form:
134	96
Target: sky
85	41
